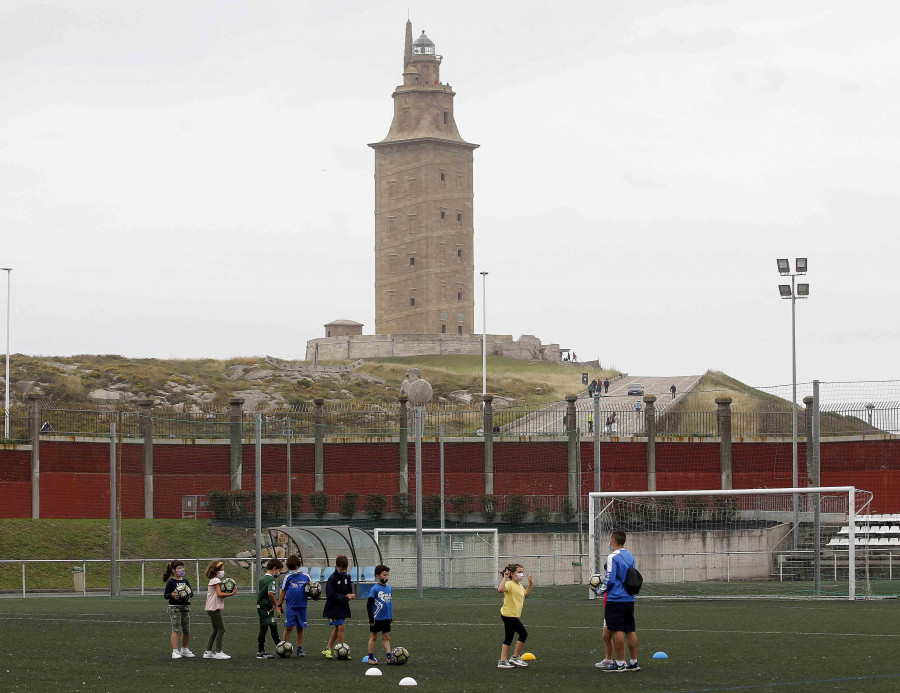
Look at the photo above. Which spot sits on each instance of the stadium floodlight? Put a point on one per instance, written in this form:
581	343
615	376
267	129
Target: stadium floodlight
800	265
785	290
784	266
802	290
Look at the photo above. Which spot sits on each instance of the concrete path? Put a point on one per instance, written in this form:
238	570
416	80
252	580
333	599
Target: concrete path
628	422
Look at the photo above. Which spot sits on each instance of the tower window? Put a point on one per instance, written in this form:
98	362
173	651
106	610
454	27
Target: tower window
459	217
443	215
446	117
459	295
412	261
443	329
459	329
392	264
459	317
443	296
459	253
391	302
412	301
329	333
443	177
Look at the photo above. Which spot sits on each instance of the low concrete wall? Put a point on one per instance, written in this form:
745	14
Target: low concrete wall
527	347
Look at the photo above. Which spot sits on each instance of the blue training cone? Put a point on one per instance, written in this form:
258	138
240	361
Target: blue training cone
660	655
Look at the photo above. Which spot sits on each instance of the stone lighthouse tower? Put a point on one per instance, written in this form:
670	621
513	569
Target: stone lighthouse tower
424	264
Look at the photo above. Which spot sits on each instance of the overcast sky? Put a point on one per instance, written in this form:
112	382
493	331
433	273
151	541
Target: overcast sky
192	179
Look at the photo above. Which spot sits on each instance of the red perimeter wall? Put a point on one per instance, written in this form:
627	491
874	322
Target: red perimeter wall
74	476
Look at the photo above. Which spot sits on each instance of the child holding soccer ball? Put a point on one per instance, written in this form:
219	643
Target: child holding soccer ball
293	593
215	602
514	593
178	591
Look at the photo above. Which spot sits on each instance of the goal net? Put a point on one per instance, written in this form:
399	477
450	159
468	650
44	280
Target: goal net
787	542
451	557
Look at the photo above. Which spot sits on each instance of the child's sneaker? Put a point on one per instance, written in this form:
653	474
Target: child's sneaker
517	661
264	655
327	653
633	667
185	652
209	655
614	667
176	654
300	653
505	664
371	660
604	663
389	657
221	655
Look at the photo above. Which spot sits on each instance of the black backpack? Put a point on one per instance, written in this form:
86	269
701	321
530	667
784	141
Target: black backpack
633	581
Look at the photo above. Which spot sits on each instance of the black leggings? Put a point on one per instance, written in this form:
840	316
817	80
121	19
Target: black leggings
513	625
261	640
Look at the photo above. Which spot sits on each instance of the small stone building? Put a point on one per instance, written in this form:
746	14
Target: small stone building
343	328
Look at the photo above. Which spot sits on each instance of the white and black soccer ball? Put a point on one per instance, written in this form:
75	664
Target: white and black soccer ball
313	590
228	584
596	580
399	655
284	649
342	650
183	591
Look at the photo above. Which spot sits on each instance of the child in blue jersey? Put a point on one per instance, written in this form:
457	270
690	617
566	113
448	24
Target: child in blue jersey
293	593
381	613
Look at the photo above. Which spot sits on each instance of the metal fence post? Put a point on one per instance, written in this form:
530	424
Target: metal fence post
650	427
288	436
236	436
146	421
320	445
596	444
816	464
723	416
488	427
112	510
258	493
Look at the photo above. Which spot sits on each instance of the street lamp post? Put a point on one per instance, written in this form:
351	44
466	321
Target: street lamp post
483	333
8	271
793	292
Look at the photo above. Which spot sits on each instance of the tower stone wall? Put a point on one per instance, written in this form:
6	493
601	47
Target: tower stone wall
424	232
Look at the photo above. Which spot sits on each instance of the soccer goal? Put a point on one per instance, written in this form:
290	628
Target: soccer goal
452	557
778	543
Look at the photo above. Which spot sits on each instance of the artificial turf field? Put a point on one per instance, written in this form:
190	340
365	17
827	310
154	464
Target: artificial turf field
103	644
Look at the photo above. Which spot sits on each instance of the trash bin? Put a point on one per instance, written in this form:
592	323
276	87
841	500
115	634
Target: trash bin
78	578
576	572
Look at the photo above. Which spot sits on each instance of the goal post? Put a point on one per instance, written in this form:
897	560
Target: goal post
452	557
760	542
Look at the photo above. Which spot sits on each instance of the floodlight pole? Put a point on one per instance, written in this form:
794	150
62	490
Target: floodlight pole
8	271
258	496
795	473
483	334
289	435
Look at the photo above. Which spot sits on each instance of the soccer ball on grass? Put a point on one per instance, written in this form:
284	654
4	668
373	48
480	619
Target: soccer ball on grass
342	650
400	655
596	580
313	590
284	649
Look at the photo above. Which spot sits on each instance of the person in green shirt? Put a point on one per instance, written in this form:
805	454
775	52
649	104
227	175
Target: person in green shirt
266	603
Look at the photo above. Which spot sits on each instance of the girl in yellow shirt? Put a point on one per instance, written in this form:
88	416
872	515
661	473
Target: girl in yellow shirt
514	594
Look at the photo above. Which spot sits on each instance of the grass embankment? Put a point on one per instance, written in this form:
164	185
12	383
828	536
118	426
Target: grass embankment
754	412
77	540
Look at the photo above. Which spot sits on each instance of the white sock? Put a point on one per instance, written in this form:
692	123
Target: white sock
621	664
632	661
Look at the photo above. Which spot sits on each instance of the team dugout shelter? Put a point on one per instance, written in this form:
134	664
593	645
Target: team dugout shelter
317	547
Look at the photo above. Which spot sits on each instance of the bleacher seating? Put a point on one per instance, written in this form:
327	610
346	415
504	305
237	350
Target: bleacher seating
879	531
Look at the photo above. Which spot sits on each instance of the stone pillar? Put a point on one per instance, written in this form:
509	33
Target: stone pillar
236	430
723	419
650	428
572	450
320	444
488	425
807	437
34	426
403	450
146	419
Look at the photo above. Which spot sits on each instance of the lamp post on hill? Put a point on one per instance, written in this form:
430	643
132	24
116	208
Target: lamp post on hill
793	291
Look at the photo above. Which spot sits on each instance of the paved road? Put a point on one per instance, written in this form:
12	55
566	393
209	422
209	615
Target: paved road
628	422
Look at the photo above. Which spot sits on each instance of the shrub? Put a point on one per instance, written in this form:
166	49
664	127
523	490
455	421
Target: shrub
375	505
348	505
404	504
273	505
726	508
296	503
568	510
319	503
488	503
229	506
431	508
515	510
542	513
696	506
461	505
